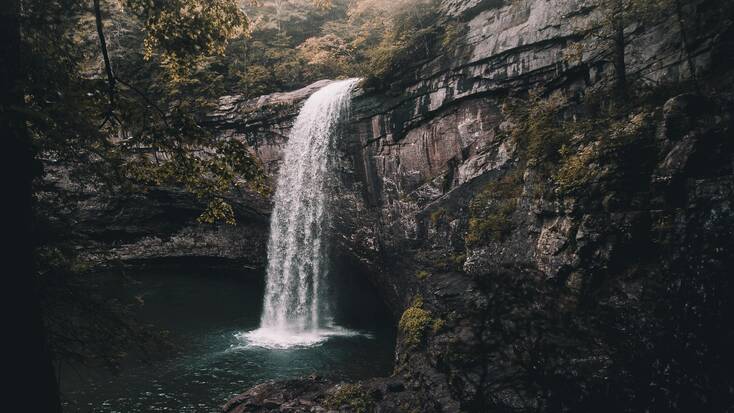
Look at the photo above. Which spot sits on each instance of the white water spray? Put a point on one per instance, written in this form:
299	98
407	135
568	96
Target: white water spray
296	310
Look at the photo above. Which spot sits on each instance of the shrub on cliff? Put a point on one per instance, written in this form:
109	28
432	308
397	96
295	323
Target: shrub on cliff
414	322
491	210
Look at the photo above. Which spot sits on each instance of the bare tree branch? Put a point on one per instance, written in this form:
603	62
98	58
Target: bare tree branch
106	58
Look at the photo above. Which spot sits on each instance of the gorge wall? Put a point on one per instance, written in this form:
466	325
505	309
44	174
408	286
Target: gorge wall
527	282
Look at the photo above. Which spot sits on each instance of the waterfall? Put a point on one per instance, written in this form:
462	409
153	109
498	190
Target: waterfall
296	310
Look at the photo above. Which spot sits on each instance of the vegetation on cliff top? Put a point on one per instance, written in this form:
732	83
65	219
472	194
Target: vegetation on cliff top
293	43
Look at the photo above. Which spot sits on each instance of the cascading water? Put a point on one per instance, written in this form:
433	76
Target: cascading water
296	310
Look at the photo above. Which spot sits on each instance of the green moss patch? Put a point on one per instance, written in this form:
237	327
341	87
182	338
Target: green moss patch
422	275
351	396
413	323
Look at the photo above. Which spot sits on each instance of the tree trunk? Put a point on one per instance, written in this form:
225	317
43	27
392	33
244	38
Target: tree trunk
30	381
684	40
105	58
620	67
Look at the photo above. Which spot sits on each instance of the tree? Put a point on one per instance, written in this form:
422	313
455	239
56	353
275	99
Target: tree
385	37
615	18
57	106
326	55
29	377
160	140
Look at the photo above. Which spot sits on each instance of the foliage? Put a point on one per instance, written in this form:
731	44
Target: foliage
413	323
437	325
409	34
181	32
537	127
448	261
325	56
422	274
297	42
609	141
640	338
458	260
495	225
286	47
135	120
566	141
491	210
206	175
140	127
145	128
576	168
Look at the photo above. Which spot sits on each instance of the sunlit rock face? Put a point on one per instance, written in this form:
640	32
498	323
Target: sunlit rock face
263	122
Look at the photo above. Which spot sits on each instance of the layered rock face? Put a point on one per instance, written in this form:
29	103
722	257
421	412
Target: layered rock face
587	279
155	227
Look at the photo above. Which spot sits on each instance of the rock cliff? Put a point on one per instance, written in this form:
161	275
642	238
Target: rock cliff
540	249
112	229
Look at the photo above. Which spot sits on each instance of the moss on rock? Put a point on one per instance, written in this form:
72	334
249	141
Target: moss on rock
491	210
350	396
413	323
437	325
422	274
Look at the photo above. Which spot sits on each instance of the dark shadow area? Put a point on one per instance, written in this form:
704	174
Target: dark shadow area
357	302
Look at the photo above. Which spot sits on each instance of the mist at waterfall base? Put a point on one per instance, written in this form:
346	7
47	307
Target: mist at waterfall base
311	314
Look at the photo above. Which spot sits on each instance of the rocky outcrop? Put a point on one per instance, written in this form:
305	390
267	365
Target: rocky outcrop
579	280
317	394
111	229
264	122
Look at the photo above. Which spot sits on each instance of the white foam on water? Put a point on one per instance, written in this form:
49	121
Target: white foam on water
283	339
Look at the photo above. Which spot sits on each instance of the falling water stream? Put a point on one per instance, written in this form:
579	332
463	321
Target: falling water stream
297	310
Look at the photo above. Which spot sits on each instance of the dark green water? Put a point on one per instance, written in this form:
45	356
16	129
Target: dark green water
204	310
